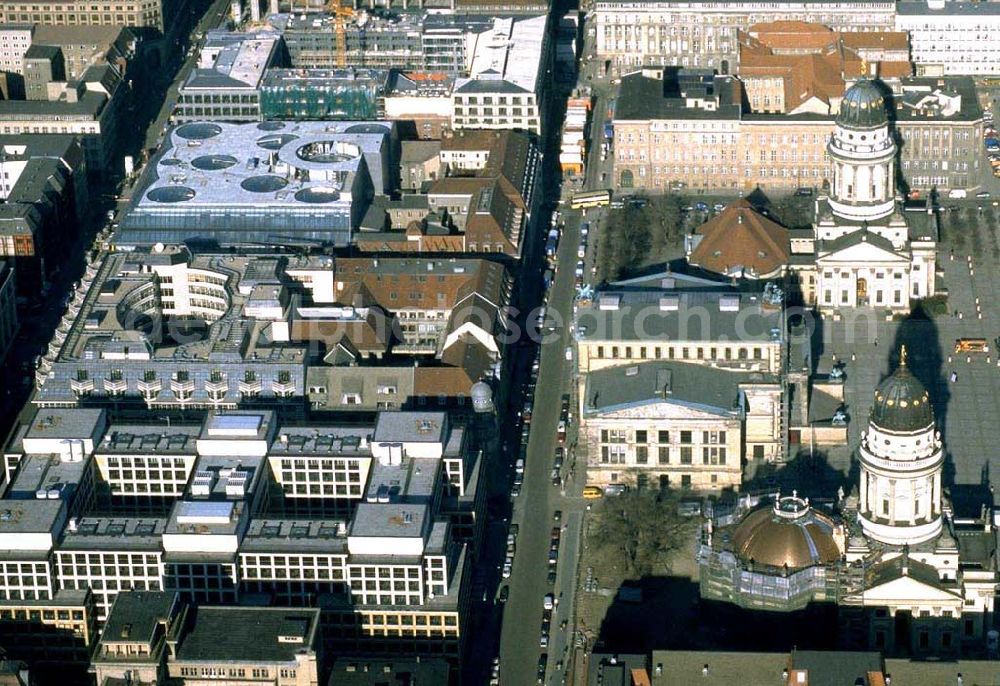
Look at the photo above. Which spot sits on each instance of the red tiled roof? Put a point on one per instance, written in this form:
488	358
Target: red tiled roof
741	237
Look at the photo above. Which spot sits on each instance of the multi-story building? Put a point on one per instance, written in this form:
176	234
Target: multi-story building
678	424
675	317
154	14
374	523
798	68
305	183
225	84
44	192
89	108
663	141
425	98
157	638
80	46
168	329
387	40
445	315
908	577
338	94
951	36
483	200
8	307
693	342
54	636
694	33
505	85
690	123
15	39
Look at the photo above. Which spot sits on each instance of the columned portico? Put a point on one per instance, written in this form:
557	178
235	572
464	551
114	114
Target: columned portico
867	252
901	457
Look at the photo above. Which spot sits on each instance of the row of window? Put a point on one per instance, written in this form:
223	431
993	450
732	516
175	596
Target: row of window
618	454
679	353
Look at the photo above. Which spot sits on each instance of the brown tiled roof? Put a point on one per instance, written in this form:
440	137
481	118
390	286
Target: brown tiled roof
793	35
368	336
472	139
408	283
805	76
399	241
741	237
897	70
868	40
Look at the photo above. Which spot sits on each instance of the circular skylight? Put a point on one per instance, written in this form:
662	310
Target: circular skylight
318	195
213	162
171	162
275	141
367	128
263	184
171	194
199	131
271	125
328	152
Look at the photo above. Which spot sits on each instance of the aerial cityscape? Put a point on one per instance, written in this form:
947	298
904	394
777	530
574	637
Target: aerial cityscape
499	342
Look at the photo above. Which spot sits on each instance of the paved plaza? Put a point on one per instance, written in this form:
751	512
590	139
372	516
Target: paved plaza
966	410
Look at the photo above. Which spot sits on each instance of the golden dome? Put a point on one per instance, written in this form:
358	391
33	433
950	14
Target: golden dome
789	534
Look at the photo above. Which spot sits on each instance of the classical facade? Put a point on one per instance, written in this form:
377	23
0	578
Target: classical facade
907	577
714	143
901	457
694	33
681	424
867	253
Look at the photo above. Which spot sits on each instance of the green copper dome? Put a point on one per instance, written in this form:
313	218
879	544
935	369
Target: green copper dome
863	107
902	404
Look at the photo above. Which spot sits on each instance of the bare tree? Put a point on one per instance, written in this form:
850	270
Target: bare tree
643	528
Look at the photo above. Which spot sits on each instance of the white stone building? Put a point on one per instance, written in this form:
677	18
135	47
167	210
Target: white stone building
951	36
867	253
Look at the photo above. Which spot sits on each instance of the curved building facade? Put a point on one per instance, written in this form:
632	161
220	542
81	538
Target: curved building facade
901	458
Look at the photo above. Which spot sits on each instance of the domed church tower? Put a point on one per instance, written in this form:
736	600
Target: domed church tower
863	154
901	458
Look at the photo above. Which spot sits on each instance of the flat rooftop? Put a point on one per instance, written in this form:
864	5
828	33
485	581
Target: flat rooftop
131	439
328	536
30	516
721	316
277	164
56	423
295	441
393	520
247	634
229	60
139	534
510	51
135	615
411	427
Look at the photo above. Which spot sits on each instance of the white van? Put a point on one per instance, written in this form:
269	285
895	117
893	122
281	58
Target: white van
519	465
955	193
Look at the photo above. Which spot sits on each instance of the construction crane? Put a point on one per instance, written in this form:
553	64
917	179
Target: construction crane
341	14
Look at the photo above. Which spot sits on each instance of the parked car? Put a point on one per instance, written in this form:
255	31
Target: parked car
550	578
506	571
548	602
504	594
